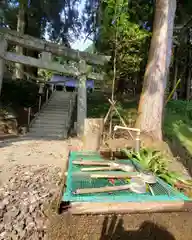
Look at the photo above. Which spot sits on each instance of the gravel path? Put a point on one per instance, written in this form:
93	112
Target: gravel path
29	174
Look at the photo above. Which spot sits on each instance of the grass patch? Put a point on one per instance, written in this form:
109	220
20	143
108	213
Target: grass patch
177	123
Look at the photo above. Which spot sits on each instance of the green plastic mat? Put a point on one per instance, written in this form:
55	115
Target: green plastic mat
162	191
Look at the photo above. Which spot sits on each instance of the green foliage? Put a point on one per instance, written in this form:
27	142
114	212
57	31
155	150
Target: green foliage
180	107
106	18
155	162
129	39
141	12
184	9
19	92
177	114
97	105
149	160
59	18
177	123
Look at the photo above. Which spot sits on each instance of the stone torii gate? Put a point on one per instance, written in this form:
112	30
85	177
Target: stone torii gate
45	62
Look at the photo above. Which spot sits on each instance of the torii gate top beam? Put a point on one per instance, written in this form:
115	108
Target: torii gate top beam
59	50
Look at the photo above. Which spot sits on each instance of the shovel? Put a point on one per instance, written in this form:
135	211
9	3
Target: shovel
109	164
146	177
136	185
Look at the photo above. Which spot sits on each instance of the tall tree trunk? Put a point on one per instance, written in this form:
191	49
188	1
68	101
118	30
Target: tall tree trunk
21	29
150	111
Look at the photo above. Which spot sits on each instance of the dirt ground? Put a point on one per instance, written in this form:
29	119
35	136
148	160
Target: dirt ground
154	226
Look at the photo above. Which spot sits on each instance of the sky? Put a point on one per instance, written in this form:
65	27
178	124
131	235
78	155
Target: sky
81	44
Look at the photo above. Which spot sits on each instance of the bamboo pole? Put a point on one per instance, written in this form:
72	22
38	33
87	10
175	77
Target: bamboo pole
172	92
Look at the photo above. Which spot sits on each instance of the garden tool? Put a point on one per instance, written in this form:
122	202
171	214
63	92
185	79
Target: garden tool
109	164
147	178
136	185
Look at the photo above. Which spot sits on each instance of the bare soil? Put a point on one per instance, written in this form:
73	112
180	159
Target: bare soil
157	226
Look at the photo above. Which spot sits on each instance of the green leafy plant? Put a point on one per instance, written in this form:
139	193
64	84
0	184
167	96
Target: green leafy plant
155	162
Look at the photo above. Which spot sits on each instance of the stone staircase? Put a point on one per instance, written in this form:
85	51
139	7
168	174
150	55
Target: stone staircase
54	119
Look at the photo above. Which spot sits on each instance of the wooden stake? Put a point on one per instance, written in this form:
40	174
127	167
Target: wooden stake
93	131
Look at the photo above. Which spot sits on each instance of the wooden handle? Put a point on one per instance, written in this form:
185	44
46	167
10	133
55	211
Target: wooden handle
102	189
113	175
92	163
120	175
98	169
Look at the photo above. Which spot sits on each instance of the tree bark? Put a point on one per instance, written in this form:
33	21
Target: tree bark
150	111
19	68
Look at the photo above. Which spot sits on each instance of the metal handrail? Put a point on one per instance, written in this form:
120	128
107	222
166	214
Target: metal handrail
40	107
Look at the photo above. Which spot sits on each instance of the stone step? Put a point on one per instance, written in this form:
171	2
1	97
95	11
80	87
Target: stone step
52	122
41	132
54	119
51	131
54	116
58	107
46	112
55	111
48	124
55	136
54	101
48	128
60	100
61	118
